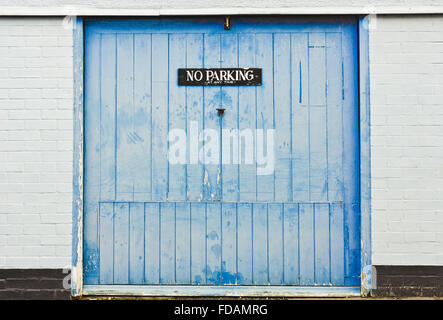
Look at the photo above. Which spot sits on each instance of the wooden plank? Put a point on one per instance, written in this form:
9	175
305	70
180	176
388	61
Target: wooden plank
283	115
306	229
322	241
194	104
167	243
244	243
230	101
247	118
107	117
260	244
213	243
334	116
159	116
337	244
136	242
198	243
251	23
176	119
317	120
221	291
350	157
121	243
126	167
183	243
106	233
275	245
291	258
92	159
229	243
152	243
265	112
212	101
142	117
300	117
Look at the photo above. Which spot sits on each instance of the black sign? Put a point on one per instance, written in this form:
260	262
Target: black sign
220	77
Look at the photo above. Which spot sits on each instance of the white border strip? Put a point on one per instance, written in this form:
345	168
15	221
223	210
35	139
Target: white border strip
220	291
335	10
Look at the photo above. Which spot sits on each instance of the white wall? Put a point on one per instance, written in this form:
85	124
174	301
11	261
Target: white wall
185	4
35	143
406	55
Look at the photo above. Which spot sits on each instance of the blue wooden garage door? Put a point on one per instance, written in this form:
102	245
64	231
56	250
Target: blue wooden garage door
267	194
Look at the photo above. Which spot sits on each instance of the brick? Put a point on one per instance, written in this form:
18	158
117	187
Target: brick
62	295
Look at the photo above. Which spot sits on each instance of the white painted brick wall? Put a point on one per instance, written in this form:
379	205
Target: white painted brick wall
35	143
406	54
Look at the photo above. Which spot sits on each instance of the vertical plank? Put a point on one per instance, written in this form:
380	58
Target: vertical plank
247	117
107	117
136	242
350	156
106	233
194	105
142	117
183	243
229	101
275	245
177	117
212	101
213	243
167	243
334	116
229	243
291	259
152	243
265	112
337	244
125	163
307	264
198	243
121	243
283	115
244	243
159	116
322	267
92	158
317	106
300	117
260	243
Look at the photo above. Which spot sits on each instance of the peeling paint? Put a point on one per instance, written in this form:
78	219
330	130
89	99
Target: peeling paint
77	213
206	179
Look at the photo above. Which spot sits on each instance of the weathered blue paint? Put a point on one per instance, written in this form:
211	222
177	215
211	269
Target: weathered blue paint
149	222
221	291
365	157
77	185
